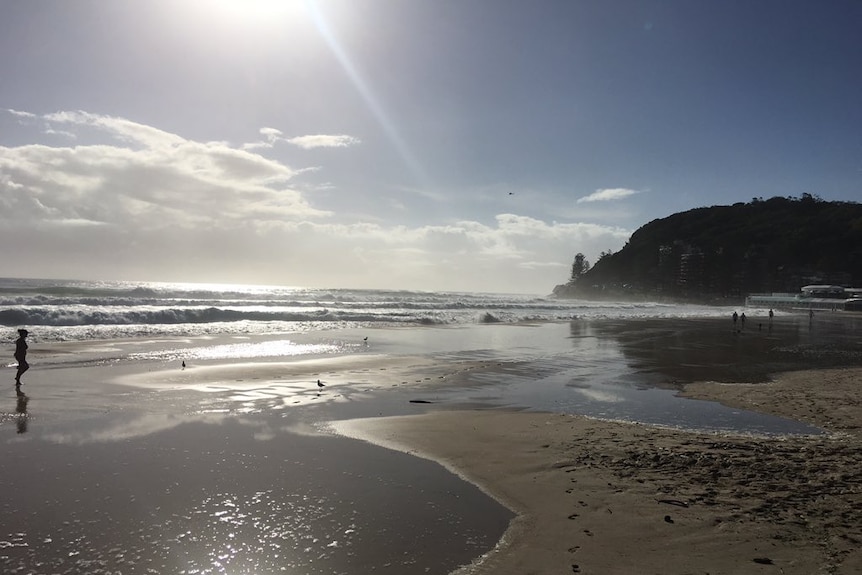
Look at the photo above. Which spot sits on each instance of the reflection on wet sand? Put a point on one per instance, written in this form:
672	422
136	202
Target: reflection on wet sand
21	410
688	350
236	495
216	468
630	370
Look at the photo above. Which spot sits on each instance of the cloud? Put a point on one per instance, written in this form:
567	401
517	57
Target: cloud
323	141
20	114
272	136
119	128
64	133
608	194
143	177
516	254
271	133
144	203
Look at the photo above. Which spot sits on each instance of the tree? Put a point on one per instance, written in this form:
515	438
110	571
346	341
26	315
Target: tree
579	268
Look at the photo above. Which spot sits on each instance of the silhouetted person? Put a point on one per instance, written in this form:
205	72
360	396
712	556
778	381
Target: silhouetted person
735	318
21	355
770	315
21	410
742	320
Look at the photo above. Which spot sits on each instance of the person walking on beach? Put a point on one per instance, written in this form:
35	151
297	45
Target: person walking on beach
21	355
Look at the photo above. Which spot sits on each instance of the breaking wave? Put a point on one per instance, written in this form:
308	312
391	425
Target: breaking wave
84	310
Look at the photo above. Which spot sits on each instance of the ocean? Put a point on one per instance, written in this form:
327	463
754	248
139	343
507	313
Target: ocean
616	360
69	310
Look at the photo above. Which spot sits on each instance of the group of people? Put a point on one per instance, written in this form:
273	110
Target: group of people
741	318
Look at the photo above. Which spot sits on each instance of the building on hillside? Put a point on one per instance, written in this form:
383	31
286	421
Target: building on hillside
815	296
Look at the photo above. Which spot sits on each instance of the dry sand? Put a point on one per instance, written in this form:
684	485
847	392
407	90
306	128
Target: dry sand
602	497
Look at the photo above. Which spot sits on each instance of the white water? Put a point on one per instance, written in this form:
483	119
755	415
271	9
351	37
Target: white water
55	310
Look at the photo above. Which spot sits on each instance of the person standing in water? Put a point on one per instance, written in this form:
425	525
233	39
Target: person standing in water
21	355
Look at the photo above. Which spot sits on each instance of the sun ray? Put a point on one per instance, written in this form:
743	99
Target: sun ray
371	100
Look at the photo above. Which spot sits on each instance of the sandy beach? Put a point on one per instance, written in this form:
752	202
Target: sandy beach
117	459
610	497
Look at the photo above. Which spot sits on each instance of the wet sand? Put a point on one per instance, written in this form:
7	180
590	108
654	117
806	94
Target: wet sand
611	497
224	466
608	497
147	468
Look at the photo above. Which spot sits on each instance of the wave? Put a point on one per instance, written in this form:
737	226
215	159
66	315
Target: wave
72	317
76	309
84	315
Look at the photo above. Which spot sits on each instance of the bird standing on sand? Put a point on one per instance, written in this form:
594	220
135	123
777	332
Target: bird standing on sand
319	385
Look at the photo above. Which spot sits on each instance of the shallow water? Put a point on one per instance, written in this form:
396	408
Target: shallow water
233	475
232	495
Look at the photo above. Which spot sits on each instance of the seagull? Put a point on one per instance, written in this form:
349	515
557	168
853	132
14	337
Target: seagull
184	364
365	339
319	385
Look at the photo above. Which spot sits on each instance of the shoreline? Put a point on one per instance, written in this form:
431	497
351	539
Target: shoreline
594	496
591	495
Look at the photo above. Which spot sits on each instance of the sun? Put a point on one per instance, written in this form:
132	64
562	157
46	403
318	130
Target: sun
258	11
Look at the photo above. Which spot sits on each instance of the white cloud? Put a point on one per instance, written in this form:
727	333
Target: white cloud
271	137
149	204
20	114
147	178
120	128
64	133
271	133
323	141
608	194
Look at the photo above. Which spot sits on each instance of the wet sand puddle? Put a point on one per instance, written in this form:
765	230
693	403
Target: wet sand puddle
237	495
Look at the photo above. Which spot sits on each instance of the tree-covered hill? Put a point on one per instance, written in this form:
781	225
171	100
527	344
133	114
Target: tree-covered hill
774	245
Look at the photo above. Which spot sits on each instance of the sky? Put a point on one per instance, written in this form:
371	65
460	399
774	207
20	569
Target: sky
463	145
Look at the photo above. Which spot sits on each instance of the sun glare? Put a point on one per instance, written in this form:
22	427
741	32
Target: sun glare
242	25
258	11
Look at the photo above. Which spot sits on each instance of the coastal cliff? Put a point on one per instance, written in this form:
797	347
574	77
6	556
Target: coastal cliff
728	252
